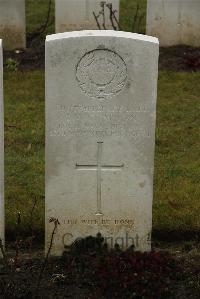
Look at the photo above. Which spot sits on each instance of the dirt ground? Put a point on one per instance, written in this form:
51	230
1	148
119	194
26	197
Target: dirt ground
180	58
171	270
177	58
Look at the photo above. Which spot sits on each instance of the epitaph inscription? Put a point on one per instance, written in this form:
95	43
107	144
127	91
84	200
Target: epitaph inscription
101	74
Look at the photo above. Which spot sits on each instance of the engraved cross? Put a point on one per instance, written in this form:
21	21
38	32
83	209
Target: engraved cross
99	167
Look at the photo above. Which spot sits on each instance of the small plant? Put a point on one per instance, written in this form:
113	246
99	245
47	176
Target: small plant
56	223
11	65
137	20
101	17
2	250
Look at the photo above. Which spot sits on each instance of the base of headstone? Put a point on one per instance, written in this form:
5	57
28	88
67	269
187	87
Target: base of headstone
13	24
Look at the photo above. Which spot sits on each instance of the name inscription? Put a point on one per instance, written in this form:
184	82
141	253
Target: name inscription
79	120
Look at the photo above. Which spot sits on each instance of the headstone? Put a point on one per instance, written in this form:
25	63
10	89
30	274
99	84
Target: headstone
13	23
100	127
174	22
79	15
1	148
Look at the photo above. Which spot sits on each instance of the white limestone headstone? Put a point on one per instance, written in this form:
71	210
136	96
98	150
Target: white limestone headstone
174	22
1	148
74	15
13	24
100	126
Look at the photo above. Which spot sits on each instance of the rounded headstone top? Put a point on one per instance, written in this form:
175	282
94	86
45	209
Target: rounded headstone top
101	33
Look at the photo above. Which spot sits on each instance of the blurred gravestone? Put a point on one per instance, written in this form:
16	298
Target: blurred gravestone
174	22
13	24
1	147
78	15
100	136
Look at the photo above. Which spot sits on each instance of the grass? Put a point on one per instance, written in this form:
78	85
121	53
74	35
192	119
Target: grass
177	175
131	18
24	147
176	188
36	14
177	164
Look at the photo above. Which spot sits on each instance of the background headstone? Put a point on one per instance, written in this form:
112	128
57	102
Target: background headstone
78	15
1	147
13	24
100	127
174	22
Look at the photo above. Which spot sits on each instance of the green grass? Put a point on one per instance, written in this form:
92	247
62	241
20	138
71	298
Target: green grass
177	176
177	163
133	15
36	14
24	146
130	19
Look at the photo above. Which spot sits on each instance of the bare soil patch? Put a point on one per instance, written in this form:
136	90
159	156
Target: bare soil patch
177	58
89	270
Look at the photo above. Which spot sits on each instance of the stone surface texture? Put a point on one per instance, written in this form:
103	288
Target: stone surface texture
101	89
13	24
78	15
174	22
1	147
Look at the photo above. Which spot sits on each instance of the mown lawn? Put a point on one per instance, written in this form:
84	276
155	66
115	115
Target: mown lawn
177	164
24	147
36	15
133	15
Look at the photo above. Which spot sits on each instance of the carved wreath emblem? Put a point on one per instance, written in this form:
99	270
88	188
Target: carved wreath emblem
101	74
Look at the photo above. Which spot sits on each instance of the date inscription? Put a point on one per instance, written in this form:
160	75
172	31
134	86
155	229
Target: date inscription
100	121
